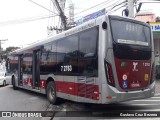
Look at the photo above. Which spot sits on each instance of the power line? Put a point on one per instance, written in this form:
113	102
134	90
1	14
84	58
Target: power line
148	1
121	6
24	20
42	6
79	4
117	5
91	7
113	5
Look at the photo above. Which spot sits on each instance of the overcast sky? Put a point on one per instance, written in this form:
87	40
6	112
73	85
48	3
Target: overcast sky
21	34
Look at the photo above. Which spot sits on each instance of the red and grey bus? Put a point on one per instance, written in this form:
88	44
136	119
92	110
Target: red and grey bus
106	60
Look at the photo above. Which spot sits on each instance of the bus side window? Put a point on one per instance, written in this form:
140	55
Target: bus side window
88	43
27	63
88	60
48	49
67	54
48	60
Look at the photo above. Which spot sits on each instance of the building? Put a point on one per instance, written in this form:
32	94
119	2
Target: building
156	36
155	26
146	17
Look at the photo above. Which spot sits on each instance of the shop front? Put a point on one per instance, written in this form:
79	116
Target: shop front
156	36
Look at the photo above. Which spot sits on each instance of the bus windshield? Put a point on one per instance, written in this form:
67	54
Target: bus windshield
128	32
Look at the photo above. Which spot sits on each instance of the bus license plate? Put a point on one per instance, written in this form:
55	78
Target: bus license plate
134	85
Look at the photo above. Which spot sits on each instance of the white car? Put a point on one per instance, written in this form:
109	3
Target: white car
3	80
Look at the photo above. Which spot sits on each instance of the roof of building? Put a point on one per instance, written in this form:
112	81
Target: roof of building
144	13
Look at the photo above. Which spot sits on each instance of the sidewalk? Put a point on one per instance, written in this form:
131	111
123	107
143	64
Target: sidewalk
157	89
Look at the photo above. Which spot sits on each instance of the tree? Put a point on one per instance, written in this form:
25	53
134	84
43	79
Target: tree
11	49
7	51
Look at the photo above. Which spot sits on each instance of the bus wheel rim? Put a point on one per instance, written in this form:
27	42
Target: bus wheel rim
52	93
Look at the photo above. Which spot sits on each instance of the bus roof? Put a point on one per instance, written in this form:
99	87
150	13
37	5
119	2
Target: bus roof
71	31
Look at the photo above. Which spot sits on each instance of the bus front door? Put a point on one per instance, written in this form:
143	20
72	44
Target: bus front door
20	70
36	69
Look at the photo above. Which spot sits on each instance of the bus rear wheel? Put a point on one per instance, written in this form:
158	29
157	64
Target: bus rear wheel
14	83
51	92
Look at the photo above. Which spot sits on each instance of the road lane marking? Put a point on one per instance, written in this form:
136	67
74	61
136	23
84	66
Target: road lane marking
147	100
157	94
156	97
143	104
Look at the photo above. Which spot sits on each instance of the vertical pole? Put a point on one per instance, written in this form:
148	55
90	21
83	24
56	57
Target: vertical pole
0	50
131	8
0	47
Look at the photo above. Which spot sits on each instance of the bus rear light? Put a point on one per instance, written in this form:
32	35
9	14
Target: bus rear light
109	74
97	98
152	74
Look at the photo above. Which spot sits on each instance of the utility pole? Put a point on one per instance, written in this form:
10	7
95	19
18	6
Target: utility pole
61	13
71	15
131	8
66	23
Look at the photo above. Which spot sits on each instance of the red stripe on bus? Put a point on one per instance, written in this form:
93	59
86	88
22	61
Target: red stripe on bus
43	84
28	81
78	89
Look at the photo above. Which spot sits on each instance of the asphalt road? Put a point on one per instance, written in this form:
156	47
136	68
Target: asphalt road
18	100
23	100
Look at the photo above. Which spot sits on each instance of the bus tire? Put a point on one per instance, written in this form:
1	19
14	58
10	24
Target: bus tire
14	83
51	92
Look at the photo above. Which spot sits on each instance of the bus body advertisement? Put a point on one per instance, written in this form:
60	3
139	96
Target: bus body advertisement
106	60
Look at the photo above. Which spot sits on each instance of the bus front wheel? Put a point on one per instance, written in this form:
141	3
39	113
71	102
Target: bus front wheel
51	92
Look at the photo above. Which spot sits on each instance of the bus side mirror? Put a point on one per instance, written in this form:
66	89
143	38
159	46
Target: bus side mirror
104	25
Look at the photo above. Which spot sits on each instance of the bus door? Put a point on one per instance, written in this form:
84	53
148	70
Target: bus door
20	70
36	69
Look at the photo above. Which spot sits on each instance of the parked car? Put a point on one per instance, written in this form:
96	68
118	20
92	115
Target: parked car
3	80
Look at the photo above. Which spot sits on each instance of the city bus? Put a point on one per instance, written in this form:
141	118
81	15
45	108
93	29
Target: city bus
106	60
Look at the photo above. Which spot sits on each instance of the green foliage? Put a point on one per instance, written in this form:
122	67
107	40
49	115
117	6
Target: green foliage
8	50
11	49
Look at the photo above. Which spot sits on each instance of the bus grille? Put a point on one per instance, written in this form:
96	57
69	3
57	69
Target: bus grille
86	87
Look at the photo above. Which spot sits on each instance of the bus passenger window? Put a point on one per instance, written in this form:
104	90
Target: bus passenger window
27	64
48	61
67	54
88	61
88	43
